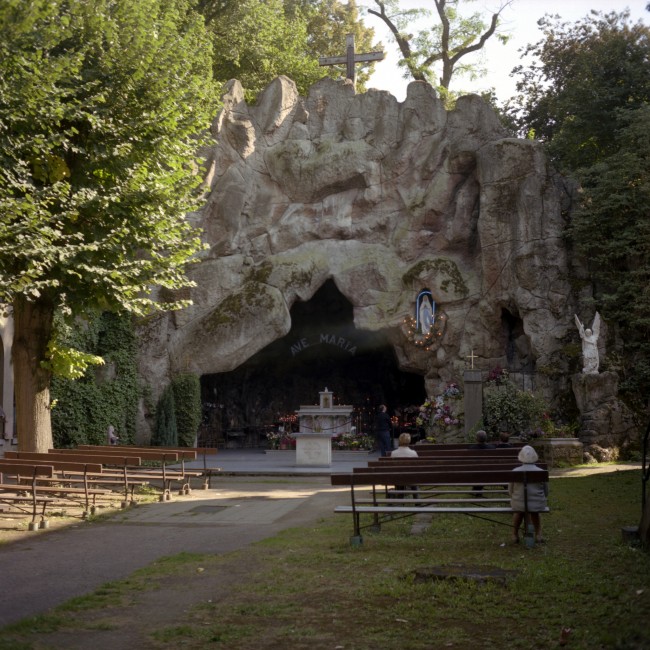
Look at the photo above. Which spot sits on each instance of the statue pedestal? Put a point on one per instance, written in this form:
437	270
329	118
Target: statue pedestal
313	449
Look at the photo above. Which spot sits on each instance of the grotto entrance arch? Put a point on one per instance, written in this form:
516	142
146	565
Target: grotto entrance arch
322	349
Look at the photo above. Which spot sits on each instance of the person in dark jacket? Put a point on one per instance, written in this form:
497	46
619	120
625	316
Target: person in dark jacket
382	431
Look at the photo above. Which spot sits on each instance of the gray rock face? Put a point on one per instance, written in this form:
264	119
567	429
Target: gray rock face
385	198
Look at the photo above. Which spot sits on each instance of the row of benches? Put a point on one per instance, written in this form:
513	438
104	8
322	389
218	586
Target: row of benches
89	472
440	480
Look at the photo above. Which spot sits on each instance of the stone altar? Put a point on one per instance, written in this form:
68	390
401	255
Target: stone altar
317	424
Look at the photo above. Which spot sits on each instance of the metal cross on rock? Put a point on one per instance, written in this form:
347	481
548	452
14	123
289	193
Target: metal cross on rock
351	58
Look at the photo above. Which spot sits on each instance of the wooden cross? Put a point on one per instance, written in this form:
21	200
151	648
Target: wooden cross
351	58
471	357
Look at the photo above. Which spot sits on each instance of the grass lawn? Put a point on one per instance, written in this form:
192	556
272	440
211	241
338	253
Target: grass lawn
308	588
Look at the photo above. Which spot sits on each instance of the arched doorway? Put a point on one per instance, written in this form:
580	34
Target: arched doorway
323	350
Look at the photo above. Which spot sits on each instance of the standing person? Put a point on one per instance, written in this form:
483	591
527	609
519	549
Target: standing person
404	451
534	501
111	435
382	430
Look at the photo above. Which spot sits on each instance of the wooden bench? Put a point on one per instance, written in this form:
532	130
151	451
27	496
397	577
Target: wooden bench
506	452
450	446
383	509
113	456
12	493
68	471
185	453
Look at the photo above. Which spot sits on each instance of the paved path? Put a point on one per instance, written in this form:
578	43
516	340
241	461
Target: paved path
47	568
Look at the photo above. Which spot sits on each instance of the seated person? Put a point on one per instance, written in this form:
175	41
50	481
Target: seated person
504	440
404	451
535	497
481	443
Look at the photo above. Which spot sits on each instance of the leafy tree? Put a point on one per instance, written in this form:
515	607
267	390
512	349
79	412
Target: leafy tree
612	231
100	106
328	24
165	431
255	42
587	96
445	43
582	75
187	407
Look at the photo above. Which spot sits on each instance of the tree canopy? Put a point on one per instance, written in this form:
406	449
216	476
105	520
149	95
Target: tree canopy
587	97
582	76
255	42
442	46
101	109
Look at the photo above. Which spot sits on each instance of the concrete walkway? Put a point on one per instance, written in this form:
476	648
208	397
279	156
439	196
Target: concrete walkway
256	496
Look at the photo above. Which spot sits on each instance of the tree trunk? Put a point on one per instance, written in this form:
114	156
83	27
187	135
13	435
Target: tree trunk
33	329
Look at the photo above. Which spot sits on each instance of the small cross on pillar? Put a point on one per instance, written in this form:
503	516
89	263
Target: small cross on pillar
351	58
471	357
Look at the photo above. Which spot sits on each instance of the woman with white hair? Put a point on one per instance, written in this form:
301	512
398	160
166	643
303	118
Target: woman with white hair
534	501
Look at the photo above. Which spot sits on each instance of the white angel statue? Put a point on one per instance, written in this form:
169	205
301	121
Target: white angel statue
589	338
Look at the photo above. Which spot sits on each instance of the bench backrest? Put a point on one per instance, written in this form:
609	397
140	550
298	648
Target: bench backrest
163	456
58	462
132	450
18	468
427	477
378	466
458	445
91	460
389	461
507	452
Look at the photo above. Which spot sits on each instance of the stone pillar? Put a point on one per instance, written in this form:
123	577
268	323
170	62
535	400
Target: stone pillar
473	396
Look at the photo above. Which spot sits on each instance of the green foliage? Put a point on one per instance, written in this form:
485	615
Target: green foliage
187	408
68	362
452	37
328	24
580	78
84	408
505	407
612	231
587	96
165	433
100	107
255	42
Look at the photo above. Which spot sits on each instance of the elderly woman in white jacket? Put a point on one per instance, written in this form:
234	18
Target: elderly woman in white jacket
536	499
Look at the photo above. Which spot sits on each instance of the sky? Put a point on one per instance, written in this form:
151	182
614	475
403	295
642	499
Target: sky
519	20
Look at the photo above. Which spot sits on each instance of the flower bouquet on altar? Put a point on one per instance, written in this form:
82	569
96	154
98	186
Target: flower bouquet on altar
439	416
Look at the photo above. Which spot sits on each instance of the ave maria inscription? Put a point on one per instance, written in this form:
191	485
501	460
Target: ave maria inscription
325	339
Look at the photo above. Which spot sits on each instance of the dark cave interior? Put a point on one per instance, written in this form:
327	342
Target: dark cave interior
323	350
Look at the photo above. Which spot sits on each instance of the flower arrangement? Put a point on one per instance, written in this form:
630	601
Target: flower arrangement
498	376
352	442
280	440
437	414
